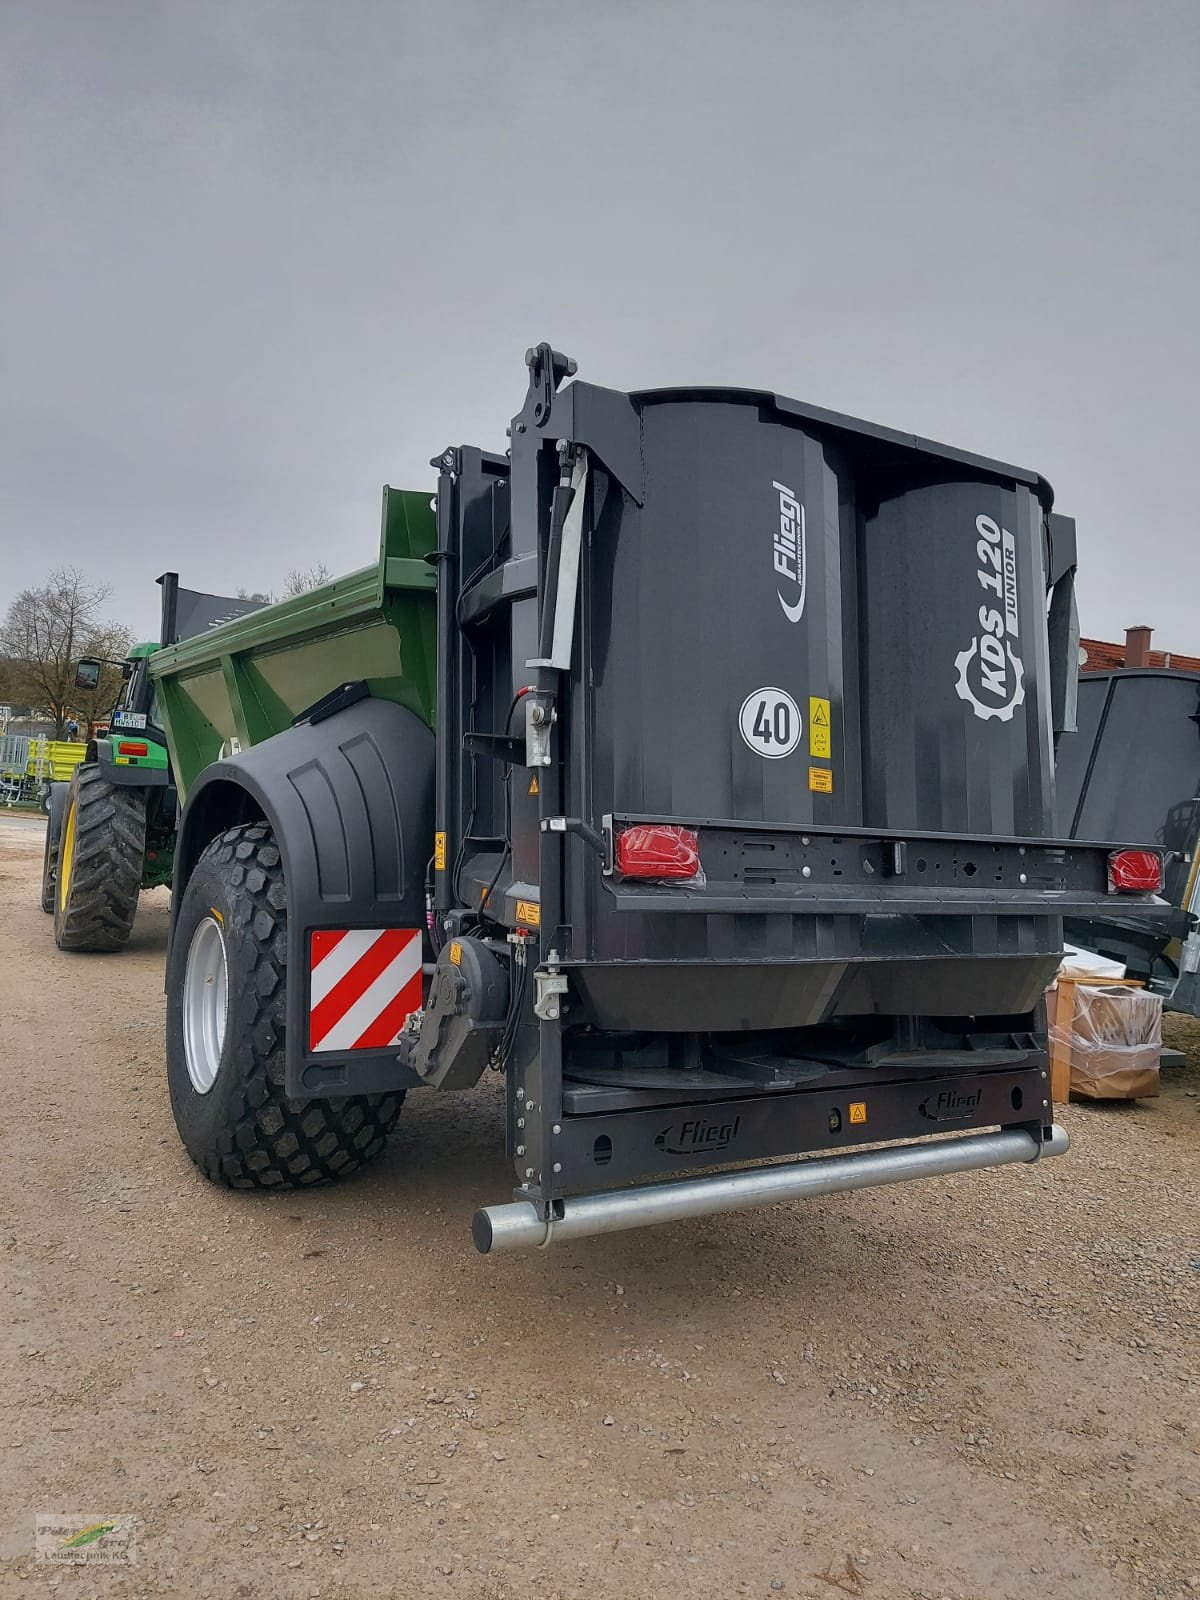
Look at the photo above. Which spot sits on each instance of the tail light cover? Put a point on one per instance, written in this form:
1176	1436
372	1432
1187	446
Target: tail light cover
657	850
1135	872
132	747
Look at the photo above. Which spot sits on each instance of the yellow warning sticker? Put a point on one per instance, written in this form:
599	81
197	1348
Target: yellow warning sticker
818	728
533	785
439	852
820	780
858	1111
456	954
529	913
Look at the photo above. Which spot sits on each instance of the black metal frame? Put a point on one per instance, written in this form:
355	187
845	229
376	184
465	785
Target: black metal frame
602	1149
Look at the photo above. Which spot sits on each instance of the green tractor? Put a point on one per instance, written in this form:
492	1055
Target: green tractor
111	828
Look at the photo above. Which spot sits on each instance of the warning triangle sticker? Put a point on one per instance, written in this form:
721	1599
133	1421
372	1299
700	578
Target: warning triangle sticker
820	714
533	784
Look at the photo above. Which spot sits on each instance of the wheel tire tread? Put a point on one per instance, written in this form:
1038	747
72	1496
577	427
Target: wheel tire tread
49	870
272	1141
106	876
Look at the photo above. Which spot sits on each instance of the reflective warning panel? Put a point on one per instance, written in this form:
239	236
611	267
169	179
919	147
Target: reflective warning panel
364	985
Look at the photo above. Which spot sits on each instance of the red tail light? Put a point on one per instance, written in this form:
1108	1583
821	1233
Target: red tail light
1134	871
658	850
128	748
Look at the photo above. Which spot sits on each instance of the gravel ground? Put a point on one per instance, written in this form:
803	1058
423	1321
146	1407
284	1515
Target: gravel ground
979	1387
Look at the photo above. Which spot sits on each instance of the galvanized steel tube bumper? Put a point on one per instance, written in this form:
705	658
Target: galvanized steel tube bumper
517	1226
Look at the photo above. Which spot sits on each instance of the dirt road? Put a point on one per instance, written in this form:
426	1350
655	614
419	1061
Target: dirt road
981	1387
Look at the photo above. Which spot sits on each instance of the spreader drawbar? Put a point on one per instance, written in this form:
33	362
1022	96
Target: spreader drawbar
517	1226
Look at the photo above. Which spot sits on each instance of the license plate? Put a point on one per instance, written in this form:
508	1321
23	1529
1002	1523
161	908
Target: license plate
129	719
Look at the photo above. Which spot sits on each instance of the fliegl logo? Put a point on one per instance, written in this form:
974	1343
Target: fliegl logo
788	549
991	677
696	1137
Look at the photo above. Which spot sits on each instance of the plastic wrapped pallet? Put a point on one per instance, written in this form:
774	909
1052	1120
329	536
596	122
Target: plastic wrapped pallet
1113	1036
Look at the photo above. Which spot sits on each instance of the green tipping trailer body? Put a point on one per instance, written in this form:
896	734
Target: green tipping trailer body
234	686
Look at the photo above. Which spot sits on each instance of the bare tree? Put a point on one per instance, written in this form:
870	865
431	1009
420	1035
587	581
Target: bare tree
301	579
44	633
298	581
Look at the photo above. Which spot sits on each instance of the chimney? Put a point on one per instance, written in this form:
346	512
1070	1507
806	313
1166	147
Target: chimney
1137	646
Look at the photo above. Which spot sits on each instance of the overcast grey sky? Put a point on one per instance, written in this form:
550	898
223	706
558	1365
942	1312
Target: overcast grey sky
260	257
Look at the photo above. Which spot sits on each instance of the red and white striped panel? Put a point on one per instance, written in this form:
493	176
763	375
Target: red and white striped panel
364	984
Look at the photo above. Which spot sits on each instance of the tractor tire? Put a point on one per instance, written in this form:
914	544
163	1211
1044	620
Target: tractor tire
98	870
49	868
226	1009
60	795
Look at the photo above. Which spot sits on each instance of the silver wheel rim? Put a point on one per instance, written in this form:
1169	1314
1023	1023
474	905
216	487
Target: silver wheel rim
205	1004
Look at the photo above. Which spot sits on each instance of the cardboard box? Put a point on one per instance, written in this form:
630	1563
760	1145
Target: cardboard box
1111	1035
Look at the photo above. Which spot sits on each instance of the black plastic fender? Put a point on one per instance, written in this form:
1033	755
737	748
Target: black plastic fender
350	801
60	795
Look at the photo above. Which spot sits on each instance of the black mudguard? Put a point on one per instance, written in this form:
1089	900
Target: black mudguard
350	800
131	777
60	796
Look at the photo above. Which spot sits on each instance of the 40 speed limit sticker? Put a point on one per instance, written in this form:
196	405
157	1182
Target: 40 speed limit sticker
771	723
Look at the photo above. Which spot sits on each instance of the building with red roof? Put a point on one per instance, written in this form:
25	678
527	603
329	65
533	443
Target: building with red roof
1098	655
